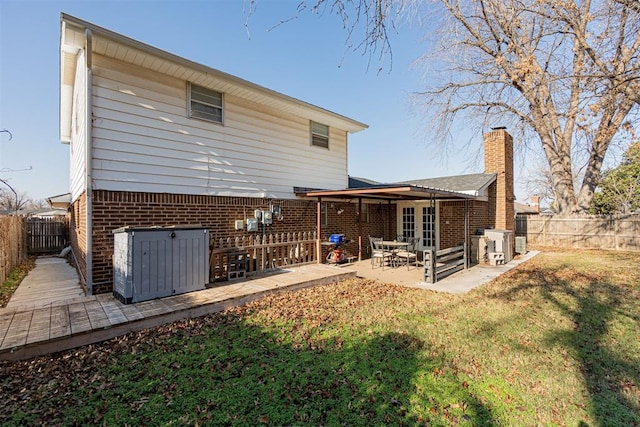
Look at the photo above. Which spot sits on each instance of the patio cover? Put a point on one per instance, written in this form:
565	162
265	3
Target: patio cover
389	192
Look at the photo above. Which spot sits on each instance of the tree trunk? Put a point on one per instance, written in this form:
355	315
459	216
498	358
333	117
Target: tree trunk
562	176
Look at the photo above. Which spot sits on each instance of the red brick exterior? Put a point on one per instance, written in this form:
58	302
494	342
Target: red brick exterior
78	234
498	159
113	209
452	221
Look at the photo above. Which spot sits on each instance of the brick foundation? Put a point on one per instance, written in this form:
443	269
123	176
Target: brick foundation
115	209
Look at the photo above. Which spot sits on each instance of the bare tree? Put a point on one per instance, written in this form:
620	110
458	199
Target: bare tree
564	72
11	200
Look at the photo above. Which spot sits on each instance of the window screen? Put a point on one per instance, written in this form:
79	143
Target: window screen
205	104
319	135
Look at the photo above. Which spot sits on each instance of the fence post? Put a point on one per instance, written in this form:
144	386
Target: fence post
429	264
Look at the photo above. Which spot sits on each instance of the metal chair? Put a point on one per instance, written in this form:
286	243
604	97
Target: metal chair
410	254
377	252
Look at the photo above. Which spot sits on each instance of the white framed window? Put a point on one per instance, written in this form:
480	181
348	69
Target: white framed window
319	135
205	104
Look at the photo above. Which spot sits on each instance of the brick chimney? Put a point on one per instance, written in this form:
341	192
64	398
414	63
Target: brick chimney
498	159
535	203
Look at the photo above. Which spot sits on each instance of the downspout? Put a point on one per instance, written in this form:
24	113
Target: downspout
88	159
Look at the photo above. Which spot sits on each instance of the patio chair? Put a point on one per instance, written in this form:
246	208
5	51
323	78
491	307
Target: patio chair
377	252
410	254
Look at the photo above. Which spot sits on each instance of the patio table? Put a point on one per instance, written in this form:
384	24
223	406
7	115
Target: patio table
393	246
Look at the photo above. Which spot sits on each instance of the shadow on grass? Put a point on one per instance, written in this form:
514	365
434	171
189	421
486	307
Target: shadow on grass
595	306
226	370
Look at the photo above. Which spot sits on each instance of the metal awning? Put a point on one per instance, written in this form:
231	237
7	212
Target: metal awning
388	192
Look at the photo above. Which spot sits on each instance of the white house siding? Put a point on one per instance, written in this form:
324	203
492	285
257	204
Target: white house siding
143	141
77	178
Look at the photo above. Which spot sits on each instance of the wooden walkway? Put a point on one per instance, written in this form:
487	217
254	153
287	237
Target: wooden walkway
32	330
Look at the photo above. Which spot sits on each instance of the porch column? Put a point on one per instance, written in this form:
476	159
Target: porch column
319	231
466	233
359	228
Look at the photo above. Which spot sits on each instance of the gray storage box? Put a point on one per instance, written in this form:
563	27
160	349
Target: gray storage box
156	262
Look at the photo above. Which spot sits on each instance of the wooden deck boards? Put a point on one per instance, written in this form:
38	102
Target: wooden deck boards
18	330
29	330
60	326
40	325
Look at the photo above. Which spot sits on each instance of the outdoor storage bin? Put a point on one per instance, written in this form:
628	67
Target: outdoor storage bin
156	262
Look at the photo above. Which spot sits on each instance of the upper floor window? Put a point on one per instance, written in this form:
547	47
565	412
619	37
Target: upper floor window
319	135
205	104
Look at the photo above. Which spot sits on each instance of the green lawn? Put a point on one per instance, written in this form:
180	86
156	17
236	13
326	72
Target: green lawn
553	342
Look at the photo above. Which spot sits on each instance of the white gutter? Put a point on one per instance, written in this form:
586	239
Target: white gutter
88	160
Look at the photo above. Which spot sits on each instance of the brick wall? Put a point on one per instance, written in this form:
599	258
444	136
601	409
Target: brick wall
78	233
452	221
113	209
348	223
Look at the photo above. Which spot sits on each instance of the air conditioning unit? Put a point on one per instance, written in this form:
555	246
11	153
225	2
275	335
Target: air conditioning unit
521	245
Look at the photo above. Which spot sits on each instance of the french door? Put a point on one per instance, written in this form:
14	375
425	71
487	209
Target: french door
428	238
419	220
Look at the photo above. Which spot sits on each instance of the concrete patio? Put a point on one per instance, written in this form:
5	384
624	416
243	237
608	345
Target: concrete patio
457	283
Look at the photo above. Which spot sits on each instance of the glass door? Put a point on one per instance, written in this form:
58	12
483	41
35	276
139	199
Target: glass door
418	219
428	227
408	228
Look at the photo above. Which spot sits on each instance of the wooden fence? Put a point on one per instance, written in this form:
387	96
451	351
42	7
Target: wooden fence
233	257
620	233
47	235
442	263
13	244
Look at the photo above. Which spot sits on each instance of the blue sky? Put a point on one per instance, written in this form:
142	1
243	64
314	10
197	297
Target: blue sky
305	58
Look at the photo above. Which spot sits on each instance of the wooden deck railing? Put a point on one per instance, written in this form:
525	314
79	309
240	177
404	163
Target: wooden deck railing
442	263
260	253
